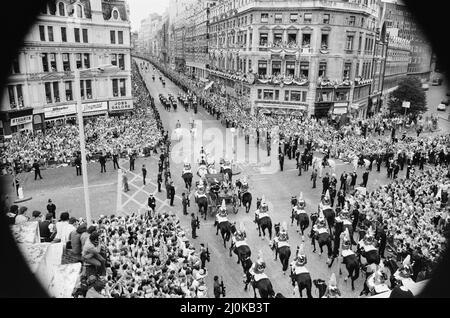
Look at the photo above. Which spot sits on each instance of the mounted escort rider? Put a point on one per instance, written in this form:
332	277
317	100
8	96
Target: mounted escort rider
323	237
281	246
201	198
327	210
367	249
240	247
300	275
222	223
186	174
349	258
262	218
259	279
299	214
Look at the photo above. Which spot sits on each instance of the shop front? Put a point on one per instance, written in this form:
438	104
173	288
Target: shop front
282	109
359	110
95	109
120	107
22	124
60	115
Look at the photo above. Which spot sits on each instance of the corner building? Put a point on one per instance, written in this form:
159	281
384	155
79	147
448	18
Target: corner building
295	57
68	35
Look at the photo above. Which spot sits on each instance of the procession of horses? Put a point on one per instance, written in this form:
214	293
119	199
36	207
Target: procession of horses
217	195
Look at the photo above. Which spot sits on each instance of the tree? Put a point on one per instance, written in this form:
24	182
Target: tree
409	90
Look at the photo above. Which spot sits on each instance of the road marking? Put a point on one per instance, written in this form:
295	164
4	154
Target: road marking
95	186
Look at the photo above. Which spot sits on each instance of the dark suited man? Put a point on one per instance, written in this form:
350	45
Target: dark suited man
116	160
217	289
37	170
78	165
159	181
171	193
102	161
144	173
382	240
132	160
151	202
194	226
365	178
281	160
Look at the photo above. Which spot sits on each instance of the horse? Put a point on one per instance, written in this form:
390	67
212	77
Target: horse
302	220
329	215
263	285
303	281
187	177
263	224
285	254
370	257
246	199
242	251
323	239
225	231
202	203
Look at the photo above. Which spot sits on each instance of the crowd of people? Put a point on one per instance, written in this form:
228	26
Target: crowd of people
139	131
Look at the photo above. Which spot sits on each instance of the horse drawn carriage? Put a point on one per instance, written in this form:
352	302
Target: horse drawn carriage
222	190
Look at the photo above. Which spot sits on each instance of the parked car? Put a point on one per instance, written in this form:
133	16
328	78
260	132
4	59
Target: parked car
445	101
441	107
425	86
437	81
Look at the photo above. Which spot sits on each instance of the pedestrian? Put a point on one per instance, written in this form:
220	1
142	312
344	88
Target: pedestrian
125	182
365	177
325	183
116	160
151	203
217	289
51	208
102	161
159	181
299	167
281	159
341	198
194	226
408	171
144	173
314	178
332	189
353	182
382	240
132	159
184	202
204	255
171	193
78	165
37	170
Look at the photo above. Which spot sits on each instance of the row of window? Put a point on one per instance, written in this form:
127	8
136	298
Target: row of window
82	60
78	10
289	95
47	34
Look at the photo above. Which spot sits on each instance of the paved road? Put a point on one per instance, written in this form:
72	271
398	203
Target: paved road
66	191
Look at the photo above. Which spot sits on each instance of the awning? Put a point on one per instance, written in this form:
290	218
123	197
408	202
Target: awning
97	113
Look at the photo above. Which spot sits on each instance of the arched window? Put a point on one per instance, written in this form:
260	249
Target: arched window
79	11
61	9
115	15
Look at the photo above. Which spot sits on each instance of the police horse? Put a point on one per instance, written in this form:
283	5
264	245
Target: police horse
300	274
258	279
299	214
187	175
263	220
349	258
223	224
322	236
281	246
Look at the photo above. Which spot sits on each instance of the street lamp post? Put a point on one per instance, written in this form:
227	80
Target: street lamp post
77	88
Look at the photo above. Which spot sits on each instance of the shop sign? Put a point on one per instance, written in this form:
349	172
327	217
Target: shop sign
21	120
95	107
59	111
120	105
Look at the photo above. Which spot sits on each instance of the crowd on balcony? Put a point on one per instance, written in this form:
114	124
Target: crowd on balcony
138	132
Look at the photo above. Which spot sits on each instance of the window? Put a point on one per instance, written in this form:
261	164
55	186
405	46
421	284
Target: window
326	18
306	40
63	34
85	36
113	37
362	22
286	96
349	43
50	33
277	94
262	68
122	61
78	60
122	88
15	69
61	9
86	89
342	95
86	60
293	17
278	18
52	57
120	36
259	93
292	38
68	89
304	70
66	62
308	18
77	35
264	17
48	92
79	11
268	94
115	15
15	96
359	43
278	38
44	57
56	92
324	42
298	96
352	20
322	69
347	70
263	39
42	32
290	68
114	59
276	67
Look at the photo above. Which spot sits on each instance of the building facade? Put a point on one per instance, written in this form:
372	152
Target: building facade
68	35
313	57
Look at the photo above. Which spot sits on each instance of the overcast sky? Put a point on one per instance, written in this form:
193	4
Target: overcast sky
140	9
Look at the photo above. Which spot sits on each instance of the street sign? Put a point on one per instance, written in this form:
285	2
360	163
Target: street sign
406	105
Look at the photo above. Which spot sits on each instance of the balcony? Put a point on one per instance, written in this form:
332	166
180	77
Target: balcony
282	80
324	82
